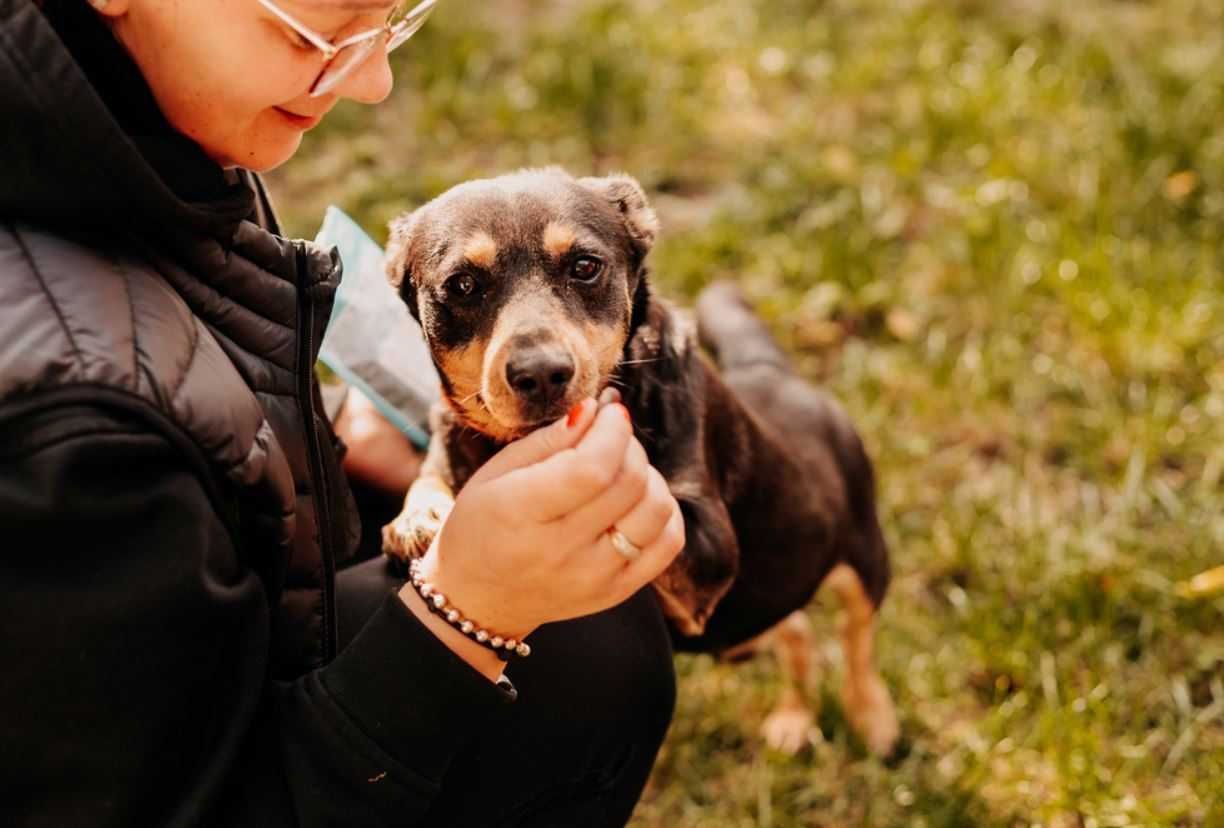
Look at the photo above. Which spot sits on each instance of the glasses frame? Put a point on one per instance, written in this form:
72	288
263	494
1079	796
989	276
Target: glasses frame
416	15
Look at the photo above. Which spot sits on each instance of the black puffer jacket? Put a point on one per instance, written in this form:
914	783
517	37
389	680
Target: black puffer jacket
171	506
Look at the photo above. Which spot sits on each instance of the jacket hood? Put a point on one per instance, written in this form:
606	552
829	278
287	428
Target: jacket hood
68	161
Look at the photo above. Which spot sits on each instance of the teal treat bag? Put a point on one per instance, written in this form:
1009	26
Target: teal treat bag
372	342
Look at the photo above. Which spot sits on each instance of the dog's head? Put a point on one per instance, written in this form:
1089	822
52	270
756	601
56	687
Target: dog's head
526	287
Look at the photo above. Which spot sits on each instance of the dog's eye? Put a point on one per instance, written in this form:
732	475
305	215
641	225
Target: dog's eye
586	268
462	285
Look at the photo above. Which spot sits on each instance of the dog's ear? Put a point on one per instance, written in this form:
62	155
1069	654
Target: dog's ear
626	194
641	302
399	271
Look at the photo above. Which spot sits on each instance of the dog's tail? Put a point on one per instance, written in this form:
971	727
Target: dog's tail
728	328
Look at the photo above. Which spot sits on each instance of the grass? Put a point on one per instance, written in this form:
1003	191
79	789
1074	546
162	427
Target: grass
996	231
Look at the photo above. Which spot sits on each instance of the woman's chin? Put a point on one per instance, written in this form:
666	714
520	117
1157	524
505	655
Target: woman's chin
259	156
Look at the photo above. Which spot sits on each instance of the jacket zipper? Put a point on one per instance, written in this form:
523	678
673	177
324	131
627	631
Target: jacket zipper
317	470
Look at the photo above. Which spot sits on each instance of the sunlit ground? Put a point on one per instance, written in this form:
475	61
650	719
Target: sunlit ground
996	231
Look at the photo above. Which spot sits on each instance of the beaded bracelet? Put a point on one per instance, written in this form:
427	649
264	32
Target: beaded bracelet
503	648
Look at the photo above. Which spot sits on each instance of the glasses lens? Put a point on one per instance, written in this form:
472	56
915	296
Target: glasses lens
408	20
403	23
345	61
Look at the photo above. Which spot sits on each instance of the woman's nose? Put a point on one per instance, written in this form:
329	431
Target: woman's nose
369	83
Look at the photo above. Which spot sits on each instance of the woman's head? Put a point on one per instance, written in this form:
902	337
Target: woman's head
236	78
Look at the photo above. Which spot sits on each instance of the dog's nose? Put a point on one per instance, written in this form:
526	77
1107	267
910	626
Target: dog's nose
540	375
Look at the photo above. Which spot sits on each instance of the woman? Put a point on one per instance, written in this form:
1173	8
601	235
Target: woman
176	640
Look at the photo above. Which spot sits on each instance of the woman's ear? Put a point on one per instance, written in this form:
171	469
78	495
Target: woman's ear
626	194
399	271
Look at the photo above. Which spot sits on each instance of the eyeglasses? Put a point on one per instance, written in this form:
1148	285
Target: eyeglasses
340	59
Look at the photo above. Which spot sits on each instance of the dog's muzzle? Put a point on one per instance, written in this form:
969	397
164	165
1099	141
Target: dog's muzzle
539	375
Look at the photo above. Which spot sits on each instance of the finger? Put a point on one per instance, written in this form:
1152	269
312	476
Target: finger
657	556
629	487
556	486
540	444
643	524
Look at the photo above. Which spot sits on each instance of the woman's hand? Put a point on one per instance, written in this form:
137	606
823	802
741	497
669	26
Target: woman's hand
526	542
378	453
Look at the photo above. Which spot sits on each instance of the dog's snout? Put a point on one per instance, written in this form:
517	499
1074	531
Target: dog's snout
540	375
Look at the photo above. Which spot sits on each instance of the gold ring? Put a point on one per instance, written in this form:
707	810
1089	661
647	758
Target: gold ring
627	549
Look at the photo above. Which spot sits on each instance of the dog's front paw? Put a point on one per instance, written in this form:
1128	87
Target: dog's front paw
789	728
408	536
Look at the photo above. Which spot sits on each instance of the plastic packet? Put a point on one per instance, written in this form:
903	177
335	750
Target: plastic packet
372	342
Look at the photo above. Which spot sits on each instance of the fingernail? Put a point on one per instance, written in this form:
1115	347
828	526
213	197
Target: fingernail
574	414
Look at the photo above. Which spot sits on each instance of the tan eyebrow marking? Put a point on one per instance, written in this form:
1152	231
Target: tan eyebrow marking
481	250
558	238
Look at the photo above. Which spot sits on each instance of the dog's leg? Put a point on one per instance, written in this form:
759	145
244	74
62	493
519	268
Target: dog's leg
691	587
865	697
747	650
426	506
789	726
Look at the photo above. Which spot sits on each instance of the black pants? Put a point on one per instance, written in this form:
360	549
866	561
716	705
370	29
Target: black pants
595	700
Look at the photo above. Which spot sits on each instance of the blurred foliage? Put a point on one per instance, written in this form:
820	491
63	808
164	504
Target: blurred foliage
995	228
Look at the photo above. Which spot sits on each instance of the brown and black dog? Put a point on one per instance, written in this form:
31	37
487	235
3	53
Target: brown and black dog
532	293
